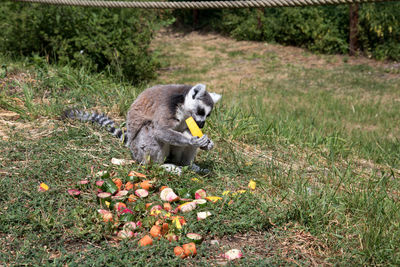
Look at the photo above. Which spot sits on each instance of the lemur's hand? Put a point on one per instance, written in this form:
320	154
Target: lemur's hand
199	142
209	145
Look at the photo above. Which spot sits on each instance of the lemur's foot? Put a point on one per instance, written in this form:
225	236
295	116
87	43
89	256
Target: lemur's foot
172	168
197	169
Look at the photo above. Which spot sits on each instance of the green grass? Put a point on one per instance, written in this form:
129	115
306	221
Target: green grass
321	143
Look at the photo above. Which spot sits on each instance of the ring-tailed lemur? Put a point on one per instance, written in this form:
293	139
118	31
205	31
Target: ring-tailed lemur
156	128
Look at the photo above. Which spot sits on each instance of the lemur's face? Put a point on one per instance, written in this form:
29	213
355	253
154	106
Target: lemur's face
199	103
200	113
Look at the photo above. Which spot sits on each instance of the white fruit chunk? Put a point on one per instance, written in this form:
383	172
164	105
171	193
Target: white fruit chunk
233	254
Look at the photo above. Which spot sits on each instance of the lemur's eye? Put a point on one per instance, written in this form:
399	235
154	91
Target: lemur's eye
201	112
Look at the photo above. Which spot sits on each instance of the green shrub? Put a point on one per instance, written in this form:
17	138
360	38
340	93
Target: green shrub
324	29
321	29
113	40
380	30
310	27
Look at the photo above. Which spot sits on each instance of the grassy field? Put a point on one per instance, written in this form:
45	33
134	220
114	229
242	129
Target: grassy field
318	133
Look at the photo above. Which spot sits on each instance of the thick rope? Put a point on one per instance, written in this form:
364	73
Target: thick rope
198	5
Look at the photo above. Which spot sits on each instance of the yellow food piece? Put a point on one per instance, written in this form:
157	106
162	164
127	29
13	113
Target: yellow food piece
213	199
155	212
226	192
44	186
177	223
239	192
252	185
194	129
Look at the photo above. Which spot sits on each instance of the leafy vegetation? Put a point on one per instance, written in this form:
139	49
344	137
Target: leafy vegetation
99	39
324	29
380	30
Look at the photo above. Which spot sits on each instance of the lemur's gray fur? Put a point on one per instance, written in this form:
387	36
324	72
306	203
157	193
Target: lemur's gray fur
156	128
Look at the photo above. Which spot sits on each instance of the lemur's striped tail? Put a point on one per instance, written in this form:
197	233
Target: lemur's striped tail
101	119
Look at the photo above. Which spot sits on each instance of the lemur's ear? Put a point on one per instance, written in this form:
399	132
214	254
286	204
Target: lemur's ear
215	97
197	90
